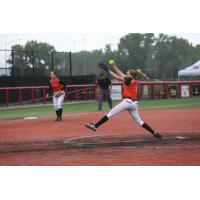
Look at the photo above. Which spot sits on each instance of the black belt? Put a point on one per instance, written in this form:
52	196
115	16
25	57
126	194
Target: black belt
124	97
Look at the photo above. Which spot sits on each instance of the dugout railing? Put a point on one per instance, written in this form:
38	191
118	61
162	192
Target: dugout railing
11	96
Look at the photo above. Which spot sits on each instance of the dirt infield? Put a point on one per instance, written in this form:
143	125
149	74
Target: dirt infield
119	142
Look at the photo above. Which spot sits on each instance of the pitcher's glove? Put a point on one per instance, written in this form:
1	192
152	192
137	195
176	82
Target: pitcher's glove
103	66
141	76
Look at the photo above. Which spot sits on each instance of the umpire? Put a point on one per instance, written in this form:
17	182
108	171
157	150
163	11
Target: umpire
104	90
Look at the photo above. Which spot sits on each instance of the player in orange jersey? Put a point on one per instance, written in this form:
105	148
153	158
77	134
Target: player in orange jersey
129	102
57	86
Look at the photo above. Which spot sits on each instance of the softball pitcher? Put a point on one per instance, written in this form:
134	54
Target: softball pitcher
129	101
57	86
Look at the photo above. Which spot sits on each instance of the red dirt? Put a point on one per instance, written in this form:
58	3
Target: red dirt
175	122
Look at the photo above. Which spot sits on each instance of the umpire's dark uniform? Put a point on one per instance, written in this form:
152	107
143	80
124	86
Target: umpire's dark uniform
104	87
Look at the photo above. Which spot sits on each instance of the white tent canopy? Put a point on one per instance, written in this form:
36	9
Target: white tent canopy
193	70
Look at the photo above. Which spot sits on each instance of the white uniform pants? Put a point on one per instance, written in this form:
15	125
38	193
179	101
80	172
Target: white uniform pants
58	101
130	106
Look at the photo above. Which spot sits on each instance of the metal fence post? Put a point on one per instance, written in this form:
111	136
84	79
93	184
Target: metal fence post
7	97
52	60
70	66
12	60
33	63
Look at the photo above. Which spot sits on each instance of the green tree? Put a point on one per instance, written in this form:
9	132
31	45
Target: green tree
196	53
172	54
33	57
85	62
139	48
161	56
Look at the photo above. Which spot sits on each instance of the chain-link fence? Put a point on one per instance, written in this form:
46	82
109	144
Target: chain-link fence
5	68
34	63
39	64
162	75
85	62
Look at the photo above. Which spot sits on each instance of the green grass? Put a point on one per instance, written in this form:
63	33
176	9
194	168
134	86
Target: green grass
87	107
170	103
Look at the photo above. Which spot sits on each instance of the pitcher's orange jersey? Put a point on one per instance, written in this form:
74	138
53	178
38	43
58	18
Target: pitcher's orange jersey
131	90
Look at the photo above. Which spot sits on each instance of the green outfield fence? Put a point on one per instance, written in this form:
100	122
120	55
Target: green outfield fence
146	90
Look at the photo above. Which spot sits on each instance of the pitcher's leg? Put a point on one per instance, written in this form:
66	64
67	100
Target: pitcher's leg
135	115
117	109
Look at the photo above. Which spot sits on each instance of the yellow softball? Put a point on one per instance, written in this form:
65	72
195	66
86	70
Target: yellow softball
111	62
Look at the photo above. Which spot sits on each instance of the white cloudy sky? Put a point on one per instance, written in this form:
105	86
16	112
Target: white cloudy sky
64	41
77	41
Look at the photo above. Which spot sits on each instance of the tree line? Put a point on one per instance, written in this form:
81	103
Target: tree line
160	55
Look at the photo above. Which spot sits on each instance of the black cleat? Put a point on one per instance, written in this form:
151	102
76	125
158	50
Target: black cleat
91	126
157	135
58	119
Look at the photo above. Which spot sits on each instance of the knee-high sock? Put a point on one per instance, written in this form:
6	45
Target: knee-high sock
101	121
61	112
57	112
148	128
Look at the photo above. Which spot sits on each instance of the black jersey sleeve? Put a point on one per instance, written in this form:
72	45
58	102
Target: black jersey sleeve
63	83
127	81
109	81
50	89
98	82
